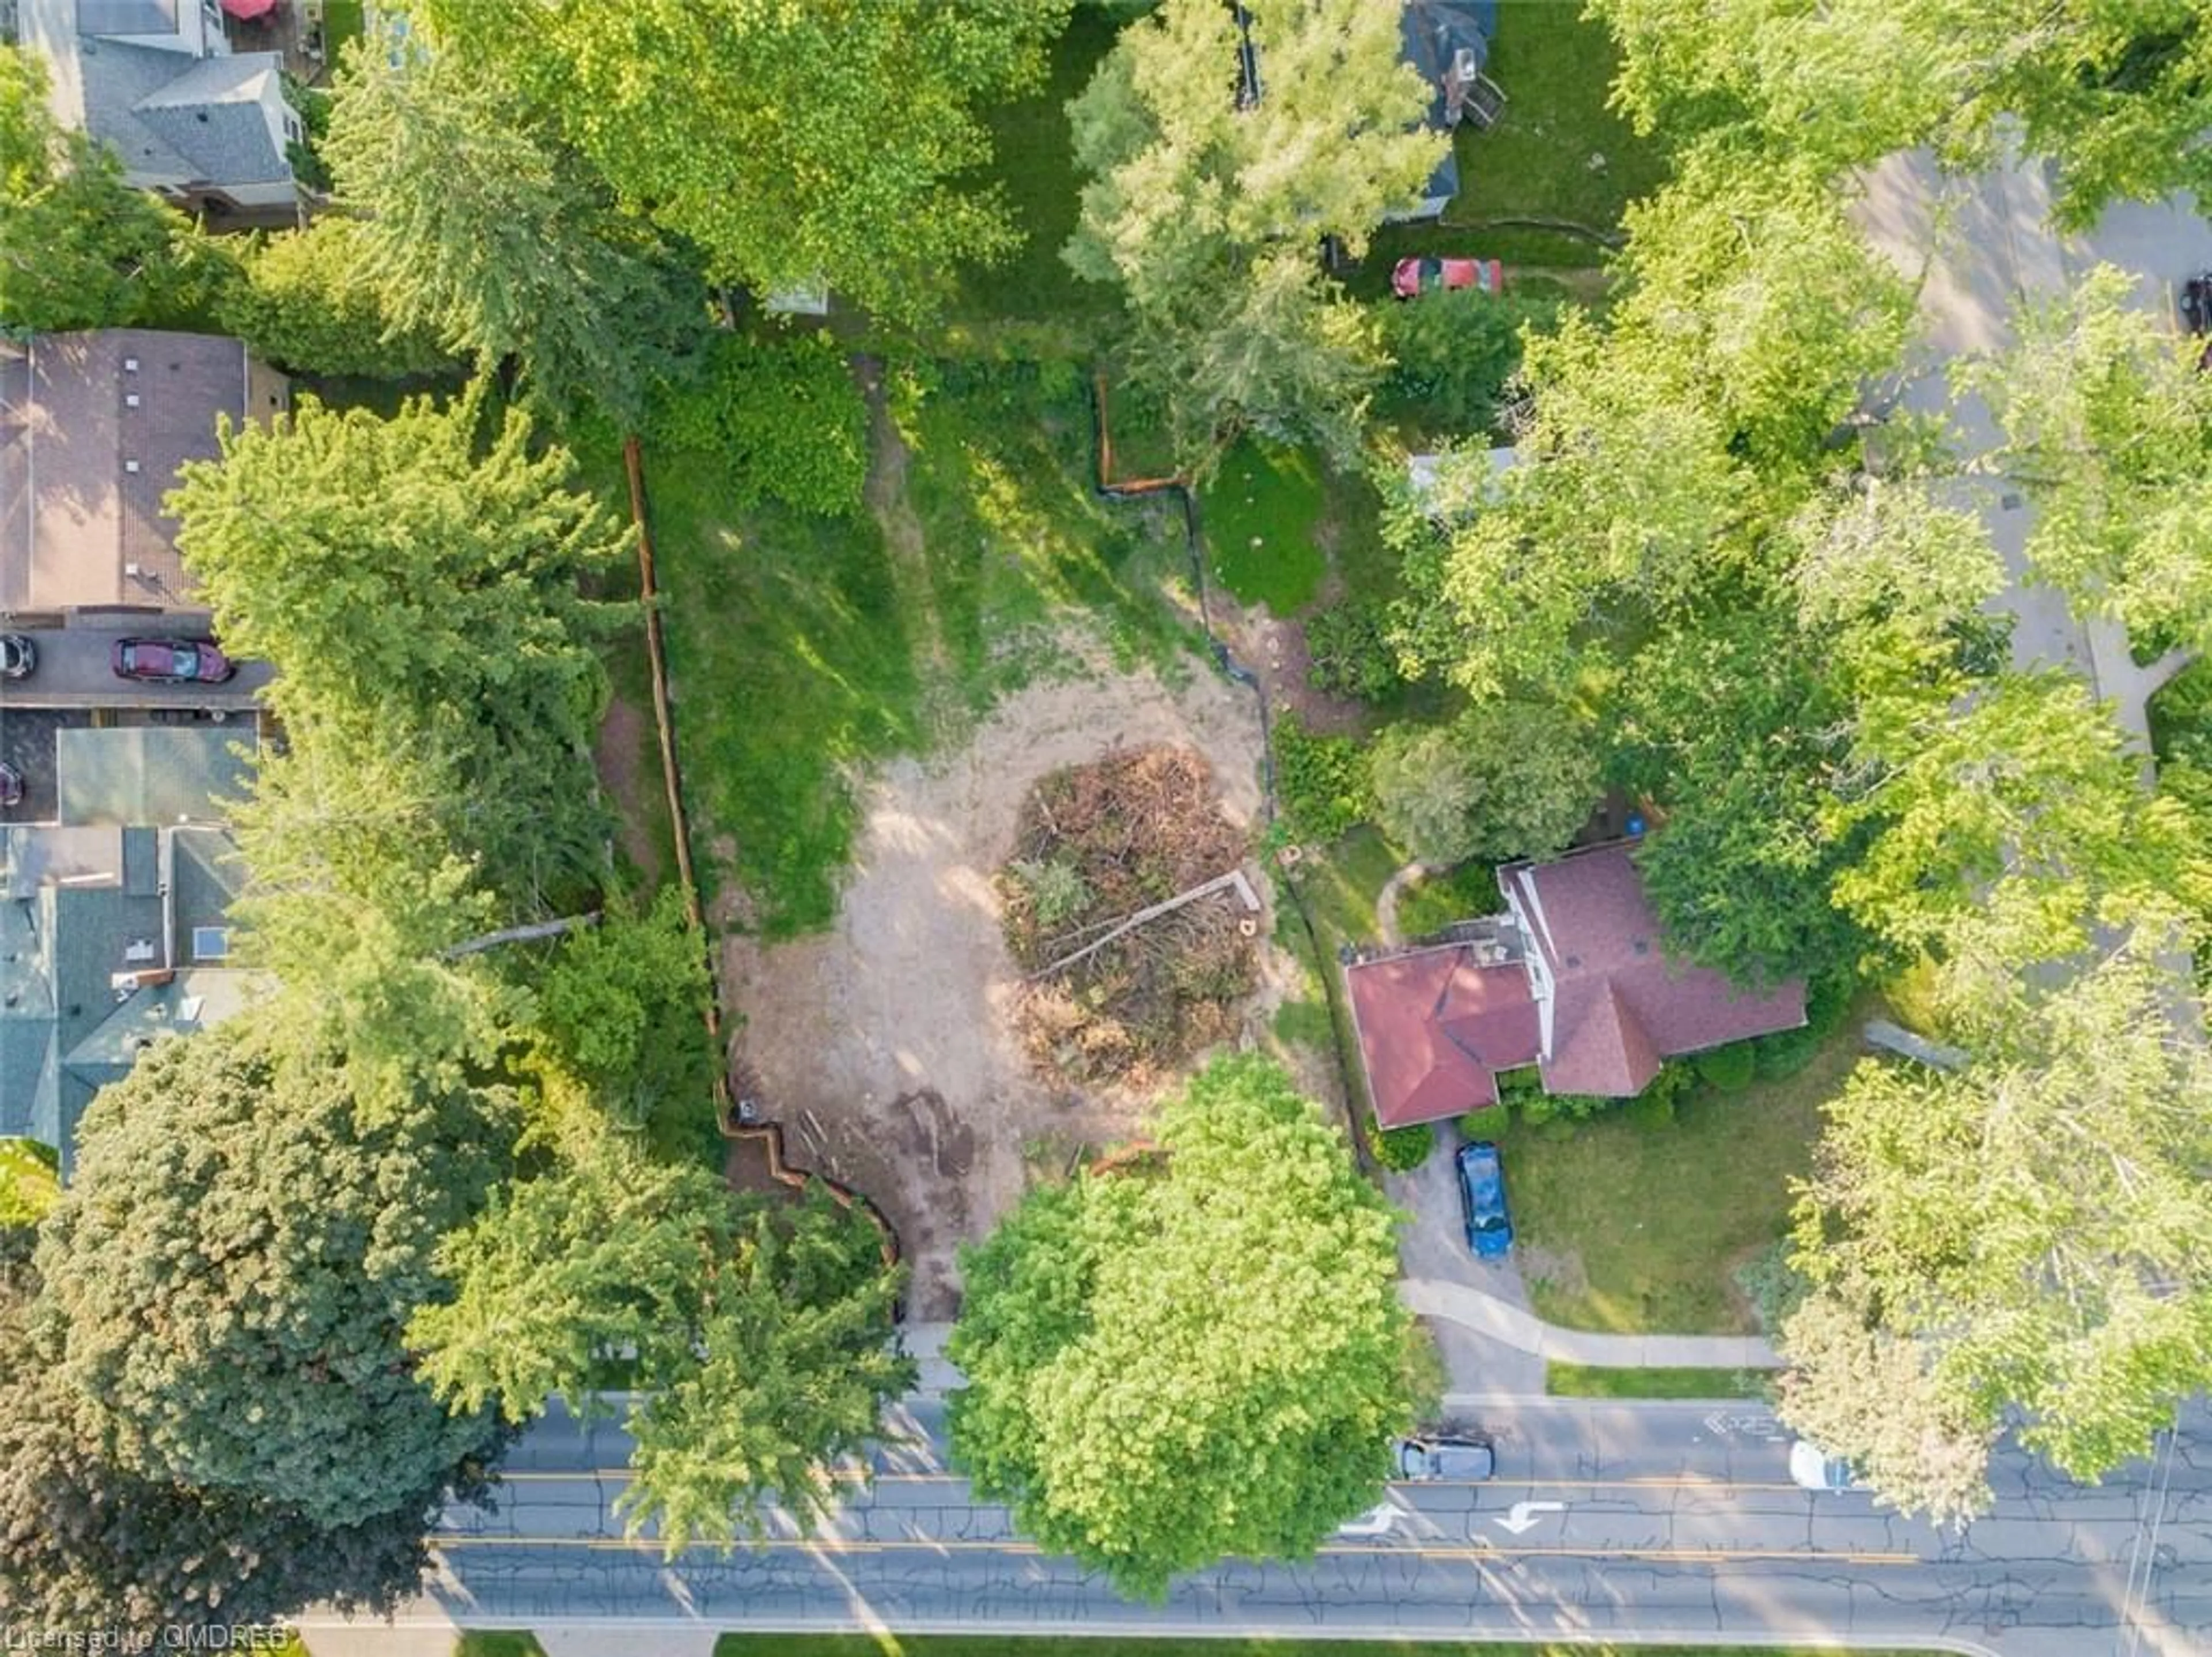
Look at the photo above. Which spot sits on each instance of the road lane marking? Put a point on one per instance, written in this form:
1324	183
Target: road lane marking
1485	1550
1654	1481
1524	1514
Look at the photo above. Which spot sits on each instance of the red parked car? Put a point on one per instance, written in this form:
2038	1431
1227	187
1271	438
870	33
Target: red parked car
171	661
1412	278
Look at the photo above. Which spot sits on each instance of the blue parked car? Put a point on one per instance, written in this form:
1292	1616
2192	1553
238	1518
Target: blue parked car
1482	1194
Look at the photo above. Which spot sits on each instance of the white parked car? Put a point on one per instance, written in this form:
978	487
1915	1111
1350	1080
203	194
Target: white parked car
1816	1470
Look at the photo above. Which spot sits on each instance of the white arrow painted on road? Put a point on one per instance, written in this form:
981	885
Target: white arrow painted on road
1523	1516
1751	1425
1376	1521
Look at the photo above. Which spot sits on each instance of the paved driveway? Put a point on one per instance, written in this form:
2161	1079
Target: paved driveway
1432	1244
26	742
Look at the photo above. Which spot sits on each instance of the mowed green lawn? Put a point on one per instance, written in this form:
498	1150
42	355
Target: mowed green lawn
889	1644
1640	1228
1557	151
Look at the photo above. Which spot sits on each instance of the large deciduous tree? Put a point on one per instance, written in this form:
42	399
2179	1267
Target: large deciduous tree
2118	94
789	143
2108	427
1504	780
1729	729
480	230
227	1279
1199	1353
1209	215
79	249
2029	1232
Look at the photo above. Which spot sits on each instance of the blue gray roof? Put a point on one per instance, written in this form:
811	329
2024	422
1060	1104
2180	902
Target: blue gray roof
194	119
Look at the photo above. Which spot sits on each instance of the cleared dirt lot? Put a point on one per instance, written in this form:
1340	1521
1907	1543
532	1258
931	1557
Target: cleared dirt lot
882	1046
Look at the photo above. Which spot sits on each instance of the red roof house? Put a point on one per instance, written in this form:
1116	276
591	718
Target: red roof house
1576	980
1435	1026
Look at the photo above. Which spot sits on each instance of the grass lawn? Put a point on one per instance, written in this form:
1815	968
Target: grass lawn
1458	894
892	1644
803	647
1260	513
1034	164
498	1642
1639	1229
343	21
1557	68
1573	1380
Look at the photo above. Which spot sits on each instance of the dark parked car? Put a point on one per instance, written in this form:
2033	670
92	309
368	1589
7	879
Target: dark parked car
1412	278
1446	1455
172	660
1482	1194
17	656
2196	314
11	787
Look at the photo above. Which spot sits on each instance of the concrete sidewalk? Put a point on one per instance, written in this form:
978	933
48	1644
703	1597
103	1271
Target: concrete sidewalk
1482	1314
1487	1315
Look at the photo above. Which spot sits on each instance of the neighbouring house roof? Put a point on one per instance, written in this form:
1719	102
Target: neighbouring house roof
153	774
1451	491
1433	34
83	466
1434	1027
207	125
83	904
1619	1003
153	81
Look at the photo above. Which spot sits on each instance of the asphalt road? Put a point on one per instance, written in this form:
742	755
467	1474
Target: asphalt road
74	671
1604	1519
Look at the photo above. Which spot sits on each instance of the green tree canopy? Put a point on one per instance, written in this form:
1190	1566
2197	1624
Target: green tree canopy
2028	1231
227	1279
762	1332
1198	1355
788	143
2107	427
1728	728
1503	780
79	249
1208	215
304	304
481	231
2118	93
416	588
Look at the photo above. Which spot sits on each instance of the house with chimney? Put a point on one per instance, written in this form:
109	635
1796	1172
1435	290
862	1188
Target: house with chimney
1573	977
156	82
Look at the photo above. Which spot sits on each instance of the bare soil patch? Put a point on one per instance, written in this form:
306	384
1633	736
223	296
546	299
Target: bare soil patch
1276	651
885	1046
626	738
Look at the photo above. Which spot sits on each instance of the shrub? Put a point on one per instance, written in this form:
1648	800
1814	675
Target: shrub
1727	1070
1057	891
1351	651
1321	782
1828	1004
1539	1108
1403	1149
1451	355
1773	1285
1483	1123
785	415
1652	1109
304	305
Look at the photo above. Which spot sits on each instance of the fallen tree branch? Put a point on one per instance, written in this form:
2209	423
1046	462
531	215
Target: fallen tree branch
1235	879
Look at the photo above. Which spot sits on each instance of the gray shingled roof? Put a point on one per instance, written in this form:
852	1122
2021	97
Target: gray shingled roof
188	121
80	904
149	773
